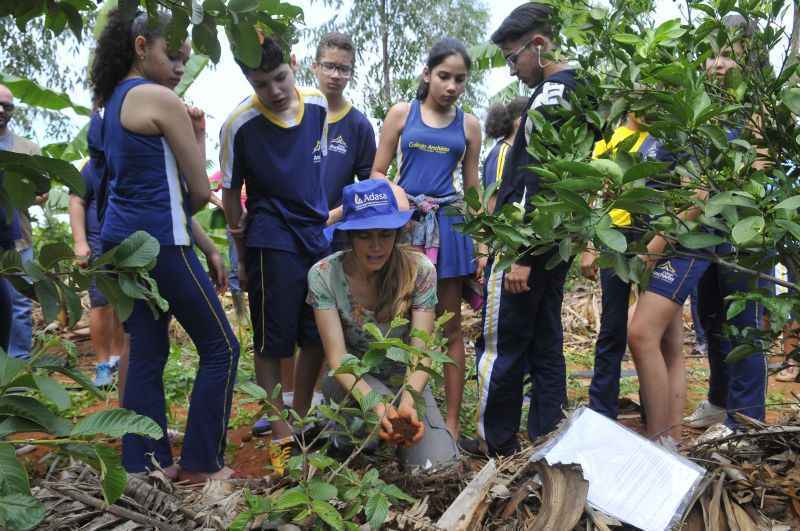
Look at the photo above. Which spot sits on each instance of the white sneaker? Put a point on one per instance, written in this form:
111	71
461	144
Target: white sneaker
705	415
717	431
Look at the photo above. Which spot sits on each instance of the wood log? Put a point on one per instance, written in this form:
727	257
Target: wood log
461	513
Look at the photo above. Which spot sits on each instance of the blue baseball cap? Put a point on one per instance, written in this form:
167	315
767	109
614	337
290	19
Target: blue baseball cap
370	204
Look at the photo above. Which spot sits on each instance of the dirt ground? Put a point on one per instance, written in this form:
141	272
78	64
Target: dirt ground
248	455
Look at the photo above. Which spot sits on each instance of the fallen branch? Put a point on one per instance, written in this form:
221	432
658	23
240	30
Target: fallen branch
113	509
460	514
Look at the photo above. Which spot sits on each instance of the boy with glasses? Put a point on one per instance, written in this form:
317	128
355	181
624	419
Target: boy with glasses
351	139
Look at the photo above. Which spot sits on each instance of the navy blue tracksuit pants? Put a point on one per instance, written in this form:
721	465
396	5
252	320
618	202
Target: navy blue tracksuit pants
738	386
184	283
611	343
5	301
521	332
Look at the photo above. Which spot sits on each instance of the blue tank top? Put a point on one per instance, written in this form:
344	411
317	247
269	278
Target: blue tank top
430	157
145	190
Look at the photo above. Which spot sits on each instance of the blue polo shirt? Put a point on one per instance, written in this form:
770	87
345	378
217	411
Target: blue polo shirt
351	151
495	164
91	180
281	164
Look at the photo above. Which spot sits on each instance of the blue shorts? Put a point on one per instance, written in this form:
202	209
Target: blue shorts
277	285
676	278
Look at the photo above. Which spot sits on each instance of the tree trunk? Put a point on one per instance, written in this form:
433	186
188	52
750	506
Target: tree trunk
386	89
794	44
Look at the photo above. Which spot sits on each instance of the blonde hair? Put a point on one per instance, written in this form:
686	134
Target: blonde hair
396	282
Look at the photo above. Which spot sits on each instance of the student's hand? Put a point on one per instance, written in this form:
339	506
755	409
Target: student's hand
198	118
407	411
589	264
655	250
217	272
82	254
516	279
480	268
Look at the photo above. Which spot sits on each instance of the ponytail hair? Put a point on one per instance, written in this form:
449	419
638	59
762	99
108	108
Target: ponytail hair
501	117
114	55
439	52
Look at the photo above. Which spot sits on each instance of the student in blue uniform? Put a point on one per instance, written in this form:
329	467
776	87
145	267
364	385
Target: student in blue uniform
522	329
438	159
502	122
655	334
275	142
351	138
154	152
109	341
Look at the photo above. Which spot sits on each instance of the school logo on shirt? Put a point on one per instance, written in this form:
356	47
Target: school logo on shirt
665	272
338	145
430	148
317	152
370	200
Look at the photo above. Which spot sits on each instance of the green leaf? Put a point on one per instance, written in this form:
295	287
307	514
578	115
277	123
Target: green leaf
716	135
52	390
121	302
739	353
33	410
791	98
699	240
197	62
791	203
10	368
791	227
643	170
13	477
376	510
17	425
397	354
394	492
613	239
243	6
369	402
47	295
253	390
626	38
291	498
328	514
735	308
138	250
34	95
116	423
246	47
747	229
21	511
321	490
78	377
374	331
112	475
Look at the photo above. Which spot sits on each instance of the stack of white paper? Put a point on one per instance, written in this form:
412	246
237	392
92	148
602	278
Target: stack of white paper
630	477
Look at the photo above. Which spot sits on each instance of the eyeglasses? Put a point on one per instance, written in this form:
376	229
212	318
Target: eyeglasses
512	58
329	68
7	107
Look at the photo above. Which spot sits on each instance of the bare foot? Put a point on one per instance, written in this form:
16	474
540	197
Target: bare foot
172	472
201	477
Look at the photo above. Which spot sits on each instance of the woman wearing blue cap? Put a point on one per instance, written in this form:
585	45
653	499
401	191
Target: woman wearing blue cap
374	281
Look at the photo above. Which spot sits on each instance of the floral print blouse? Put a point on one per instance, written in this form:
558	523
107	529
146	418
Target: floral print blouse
329	288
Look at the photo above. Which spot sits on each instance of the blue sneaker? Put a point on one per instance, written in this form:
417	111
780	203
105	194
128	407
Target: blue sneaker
103	375
262	427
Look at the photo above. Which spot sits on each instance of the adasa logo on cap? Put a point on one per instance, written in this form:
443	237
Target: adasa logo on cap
370	199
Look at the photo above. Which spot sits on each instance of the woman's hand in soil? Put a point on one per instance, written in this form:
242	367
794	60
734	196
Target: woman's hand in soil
386	413
414	430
